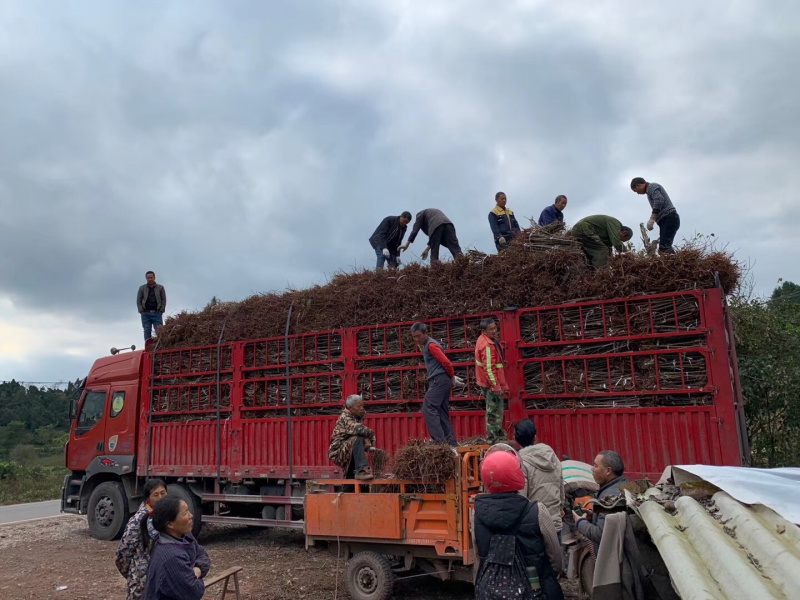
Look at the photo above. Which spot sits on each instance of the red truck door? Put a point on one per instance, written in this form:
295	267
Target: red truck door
120	426
89	433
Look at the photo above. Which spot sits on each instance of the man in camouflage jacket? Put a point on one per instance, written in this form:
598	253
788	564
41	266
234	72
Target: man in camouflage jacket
351	440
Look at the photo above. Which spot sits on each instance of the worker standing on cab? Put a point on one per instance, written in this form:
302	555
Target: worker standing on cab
502	222
151	300
441	379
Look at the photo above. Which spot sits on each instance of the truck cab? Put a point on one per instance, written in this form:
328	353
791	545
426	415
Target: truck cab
101	450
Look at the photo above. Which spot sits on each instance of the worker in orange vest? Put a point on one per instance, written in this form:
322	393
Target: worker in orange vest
491	378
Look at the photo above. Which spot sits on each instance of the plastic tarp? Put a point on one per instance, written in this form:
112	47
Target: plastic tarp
778	489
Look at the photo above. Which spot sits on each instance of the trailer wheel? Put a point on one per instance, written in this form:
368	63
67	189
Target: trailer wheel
184	493
587	574
107	511
369	577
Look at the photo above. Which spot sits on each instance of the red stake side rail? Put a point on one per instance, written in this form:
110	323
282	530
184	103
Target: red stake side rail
576	369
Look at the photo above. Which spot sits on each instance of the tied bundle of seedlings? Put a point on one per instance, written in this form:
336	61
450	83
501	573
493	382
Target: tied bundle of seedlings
425	461
549	238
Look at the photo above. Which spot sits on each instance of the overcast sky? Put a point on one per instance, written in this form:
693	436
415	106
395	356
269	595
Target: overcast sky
240	147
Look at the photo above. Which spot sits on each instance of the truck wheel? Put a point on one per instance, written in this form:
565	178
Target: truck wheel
184	493
369	577
107	512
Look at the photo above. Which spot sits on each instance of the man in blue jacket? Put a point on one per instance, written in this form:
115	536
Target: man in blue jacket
553	213
386	240
503	222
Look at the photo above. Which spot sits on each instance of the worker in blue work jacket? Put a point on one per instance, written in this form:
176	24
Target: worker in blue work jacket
503	222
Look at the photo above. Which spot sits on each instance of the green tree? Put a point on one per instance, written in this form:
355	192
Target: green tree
786	292
768	347
32	415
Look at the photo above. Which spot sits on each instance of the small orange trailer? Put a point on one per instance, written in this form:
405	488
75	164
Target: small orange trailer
388	528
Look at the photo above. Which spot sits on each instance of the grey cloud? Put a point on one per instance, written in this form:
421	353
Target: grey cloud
248	147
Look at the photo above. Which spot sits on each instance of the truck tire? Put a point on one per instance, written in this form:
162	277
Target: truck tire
369	577
107	511
184	493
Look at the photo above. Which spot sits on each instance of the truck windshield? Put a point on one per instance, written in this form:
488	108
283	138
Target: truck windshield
91	411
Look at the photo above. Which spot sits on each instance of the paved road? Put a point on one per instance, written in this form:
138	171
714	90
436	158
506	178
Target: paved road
32	510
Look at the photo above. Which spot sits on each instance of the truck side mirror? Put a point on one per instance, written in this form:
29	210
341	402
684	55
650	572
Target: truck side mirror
73	409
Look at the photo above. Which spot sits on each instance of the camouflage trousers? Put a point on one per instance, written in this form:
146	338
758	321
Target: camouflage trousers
494	416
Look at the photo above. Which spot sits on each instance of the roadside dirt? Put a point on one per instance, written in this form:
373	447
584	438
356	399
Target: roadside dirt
38	557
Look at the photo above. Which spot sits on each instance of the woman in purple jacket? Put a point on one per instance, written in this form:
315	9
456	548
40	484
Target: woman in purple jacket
178	563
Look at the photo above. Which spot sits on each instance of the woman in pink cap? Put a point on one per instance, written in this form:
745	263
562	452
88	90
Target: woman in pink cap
502	511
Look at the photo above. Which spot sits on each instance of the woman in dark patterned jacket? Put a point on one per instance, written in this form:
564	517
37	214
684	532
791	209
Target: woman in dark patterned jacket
133	553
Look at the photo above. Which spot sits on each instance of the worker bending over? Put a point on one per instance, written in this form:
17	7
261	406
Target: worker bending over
503	222
441	379
440	231
598	235
351	440
663	213
386	240
491	378
553	213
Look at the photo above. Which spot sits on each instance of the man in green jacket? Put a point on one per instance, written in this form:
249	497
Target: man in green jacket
599	235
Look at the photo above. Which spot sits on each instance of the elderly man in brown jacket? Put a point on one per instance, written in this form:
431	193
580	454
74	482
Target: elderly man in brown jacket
542	470
351	440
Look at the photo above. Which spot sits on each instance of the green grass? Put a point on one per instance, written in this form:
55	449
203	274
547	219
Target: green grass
30	484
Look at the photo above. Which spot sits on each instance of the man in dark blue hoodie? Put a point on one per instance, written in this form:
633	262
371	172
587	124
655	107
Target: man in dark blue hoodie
553	213
178	563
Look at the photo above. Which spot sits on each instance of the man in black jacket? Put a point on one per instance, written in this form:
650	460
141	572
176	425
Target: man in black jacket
387	238
151	300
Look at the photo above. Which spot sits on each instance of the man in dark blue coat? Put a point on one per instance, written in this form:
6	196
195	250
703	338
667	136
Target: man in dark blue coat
553	213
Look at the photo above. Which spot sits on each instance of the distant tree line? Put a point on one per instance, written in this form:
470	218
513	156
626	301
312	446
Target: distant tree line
34	421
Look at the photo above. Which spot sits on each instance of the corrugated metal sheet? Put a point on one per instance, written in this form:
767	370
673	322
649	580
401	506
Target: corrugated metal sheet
726	550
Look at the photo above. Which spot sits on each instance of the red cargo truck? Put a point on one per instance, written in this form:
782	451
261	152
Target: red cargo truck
236	428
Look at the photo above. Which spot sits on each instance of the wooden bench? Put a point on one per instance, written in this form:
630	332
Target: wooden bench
225	576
